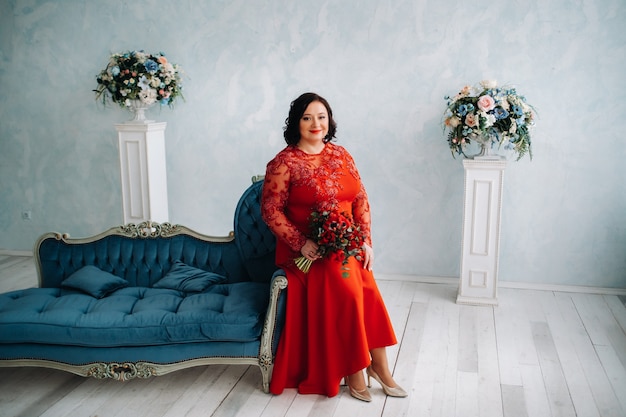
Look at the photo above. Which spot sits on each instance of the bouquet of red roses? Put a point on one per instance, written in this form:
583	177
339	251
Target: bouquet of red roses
336	235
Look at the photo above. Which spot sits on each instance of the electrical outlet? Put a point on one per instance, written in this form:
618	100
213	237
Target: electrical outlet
27	215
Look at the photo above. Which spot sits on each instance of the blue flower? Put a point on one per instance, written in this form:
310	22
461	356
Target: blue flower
115	71
500	113
517	110
151	66
463	109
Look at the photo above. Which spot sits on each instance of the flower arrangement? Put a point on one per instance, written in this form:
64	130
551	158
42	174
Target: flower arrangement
336	235
489	111
136	75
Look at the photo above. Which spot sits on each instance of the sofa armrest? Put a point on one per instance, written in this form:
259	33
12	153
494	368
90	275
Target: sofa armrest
272	328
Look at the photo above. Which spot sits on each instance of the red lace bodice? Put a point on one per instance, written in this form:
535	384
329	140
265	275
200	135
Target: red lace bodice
297	183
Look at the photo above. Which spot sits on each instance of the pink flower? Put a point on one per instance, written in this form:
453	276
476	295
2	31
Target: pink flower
452	121
486	103
471	120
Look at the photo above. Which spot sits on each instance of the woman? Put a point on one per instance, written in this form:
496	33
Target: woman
336	326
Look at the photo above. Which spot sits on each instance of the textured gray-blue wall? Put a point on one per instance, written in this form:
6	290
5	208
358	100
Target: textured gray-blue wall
385	67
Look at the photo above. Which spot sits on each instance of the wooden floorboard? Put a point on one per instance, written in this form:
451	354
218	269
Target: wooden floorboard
571	342
539	353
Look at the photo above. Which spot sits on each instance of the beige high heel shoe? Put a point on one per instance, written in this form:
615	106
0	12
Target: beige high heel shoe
392	392
363	395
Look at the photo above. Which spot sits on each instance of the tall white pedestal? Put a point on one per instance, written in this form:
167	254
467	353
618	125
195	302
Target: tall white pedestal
144	177
481	231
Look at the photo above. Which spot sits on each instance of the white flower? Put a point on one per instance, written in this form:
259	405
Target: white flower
489	84
169	68
141	57
490	119
143	83
148	96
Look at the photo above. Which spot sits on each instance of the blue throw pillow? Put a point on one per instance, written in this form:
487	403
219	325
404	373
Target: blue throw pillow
94	281
188	279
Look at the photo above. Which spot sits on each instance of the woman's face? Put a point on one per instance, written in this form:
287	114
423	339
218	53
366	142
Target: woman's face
314	123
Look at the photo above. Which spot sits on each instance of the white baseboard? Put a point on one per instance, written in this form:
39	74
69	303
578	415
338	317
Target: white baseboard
6	252
507	284
562	288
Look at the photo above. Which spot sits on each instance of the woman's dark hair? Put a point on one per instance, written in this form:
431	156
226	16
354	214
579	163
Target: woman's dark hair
296	111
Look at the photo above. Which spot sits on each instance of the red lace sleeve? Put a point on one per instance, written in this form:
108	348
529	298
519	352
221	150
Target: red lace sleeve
360	205
361	213
273	203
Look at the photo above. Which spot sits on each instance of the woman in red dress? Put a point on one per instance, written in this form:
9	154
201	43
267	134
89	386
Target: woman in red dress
336	325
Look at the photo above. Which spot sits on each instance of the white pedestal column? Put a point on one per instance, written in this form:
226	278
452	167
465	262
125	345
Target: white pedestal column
481	231
144	178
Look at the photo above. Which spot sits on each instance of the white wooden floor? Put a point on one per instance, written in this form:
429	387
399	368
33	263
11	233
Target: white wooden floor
539	353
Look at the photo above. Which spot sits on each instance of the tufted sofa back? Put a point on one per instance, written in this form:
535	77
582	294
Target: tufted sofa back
143	253
255	241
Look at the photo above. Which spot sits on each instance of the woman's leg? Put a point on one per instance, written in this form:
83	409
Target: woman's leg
381	366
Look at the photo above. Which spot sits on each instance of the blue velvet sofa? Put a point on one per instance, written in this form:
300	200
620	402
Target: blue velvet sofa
143	300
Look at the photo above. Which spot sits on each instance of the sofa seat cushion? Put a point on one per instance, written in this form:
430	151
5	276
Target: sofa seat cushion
134	316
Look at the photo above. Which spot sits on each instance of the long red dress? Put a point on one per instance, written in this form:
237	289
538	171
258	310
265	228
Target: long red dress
332	322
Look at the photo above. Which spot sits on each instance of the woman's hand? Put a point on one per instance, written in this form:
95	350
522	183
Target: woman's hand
310	250
368	257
